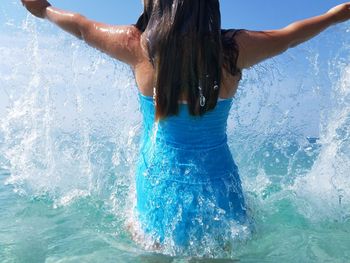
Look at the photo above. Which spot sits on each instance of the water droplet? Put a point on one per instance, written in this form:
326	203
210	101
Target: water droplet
202	100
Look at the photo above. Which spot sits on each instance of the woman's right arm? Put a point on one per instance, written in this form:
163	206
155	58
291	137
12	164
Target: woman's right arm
256	46
120	42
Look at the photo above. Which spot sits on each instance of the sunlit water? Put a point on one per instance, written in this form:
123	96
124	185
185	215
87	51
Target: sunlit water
69	136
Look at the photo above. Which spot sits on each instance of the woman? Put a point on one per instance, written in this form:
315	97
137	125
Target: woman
187	70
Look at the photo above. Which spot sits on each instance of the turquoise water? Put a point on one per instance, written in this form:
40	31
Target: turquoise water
69	134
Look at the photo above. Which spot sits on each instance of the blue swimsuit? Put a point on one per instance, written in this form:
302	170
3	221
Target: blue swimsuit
187	184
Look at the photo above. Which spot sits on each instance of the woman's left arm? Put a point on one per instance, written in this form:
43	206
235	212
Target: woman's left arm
256	46
120	42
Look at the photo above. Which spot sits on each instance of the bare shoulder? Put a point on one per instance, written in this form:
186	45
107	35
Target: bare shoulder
132	35
119	41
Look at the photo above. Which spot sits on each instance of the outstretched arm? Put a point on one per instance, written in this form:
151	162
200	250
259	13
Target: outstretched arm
256	46
120	42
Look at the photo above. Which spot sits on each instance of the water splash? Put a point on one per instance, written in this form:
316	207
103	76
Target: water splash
325	189
70	130
65	131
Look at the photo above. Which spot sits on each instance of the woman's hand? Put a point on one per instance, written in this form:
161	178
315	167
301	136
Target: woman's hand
340	13
36	7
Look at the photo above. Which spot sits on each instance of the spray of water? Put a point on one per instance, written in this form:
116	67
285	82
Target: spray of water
325	189
70	130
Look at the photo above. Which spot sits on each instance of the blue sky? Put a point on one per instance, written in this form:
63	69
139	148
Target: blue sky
252	14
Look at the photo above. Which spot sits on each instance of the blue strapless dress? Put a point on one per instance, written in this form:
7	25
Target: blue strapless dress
187	184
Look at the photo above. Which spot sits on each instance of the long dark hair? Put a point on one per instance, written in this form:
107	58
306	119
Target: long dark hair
185	46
